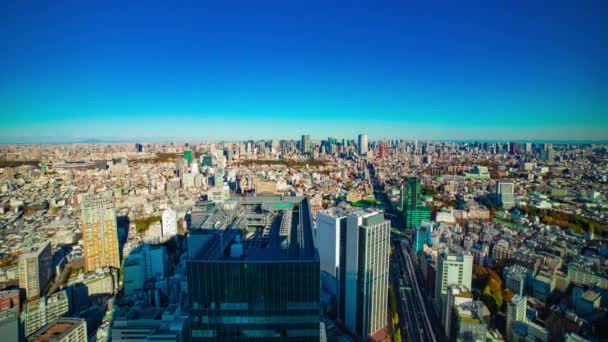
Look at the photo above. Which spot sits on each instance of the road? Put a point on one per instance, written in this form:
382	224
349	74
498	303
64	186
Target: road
416	322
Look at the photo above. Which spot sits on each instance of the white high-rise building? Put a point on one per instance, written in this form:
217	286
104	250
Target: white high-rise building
169	220
362	144
505	194
194	167
452	269
516	312
354	254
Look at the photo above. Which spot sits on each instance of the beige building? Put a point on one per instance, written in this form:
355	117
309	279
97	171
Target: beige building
62	330
99	232
36	269
40	312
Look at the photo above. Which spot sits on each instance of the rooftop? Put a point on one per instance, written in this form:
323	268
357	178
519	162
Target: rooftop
262	229
34	250
56	330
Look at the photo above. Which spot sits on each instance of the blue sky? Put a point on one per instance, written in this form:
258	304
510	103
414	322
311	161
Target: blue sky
239	70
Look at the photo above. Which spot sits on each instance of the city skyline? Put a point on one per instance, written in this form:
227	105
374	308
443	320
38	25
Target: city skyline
124	72
317	171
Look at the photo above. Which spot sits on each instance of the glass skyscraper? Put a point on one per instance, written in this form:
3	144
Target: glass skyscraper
258	280
414	213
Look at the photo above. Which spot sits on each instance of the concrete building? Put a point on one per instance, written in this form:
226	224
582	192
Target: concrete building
452	269
99	232
456	296
470	321
169	221
502	250
516	312
144	263
148	330
40	312
584	275
505	194
9	299
516	279
62	329
9	325
543	285
353	248
36	269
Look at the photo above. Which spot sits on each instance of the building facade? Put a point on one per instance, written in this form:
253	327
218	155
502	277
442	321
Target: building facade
62	329
40	312
99	232
505	194
258	280
414	213
452	269
36	269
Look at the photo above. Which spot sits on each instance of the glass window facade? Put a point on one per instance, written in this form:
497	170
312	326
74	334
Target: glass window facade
254	301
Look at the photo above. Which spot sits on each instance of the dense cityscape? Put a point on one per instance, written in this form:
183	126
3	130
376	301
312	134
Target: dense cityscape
295	171
332	239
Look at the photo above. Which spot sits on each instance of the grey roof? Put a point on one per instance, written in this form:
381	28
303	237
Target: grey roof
270	228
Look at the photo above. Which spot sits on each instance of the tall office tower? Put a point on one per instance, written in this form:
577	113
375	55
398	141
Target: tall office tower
383	150
64	329
255	275
354	249
362	144
456	296
504	194
305	144
516	312
139	148
99	232
331	242
413	211
169	223
528	148
547	154
514	148
452	269
188	156
36	269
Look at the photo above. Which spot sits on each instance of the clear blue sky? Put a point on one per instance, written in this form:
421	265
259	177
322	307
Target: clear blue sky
256	69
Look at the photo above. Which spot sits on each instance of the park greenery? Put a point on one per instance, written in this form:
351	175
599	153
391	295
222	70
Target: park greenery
492	293
142	224
577	223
